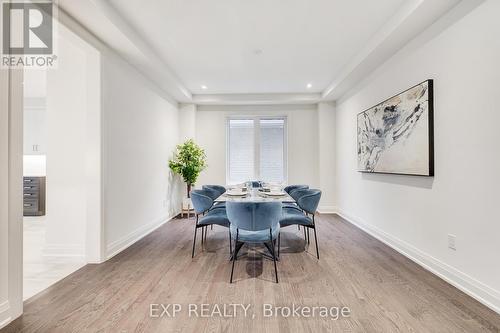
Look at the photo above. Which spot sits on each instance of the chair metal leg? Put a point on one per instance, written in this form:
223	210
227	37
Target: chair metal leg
274	254
305	237
194	240
308	238
235	254
238	247
202	234
206	232
269	249
230	245
316	242
279	244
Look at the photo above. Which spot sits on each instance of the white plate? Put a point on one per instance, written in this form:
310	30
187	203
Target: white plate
275	194
236	193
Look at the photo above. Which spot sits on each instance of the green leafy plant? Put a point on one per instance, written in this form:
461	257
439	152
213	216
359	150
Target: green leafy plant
189	160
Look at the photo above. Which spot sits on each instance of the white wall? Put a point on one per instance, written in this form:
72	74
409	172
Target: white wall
94	244
66	120
141	130
187	122
416	214
302	122
35	92
35	129
326	156
73	150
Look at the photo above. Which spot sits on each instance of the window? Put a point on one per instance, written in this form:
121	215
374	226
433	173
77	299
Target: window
256	149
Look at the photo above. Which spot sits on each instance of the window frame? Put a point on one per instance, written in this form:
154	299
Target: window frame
256	143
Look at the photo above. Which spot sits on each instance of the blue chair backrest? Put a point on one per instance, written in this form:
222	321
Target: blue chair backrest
297	193
202	201
309	200
218	188
290	188
212	193
254	216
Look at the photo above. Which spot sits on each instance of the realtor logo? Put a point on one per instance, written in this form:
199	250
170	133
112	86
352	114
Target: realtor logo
27	33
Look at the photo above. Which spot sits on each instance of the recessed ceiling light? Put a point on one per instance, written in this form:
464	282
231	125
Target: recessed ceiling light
309	85
204	87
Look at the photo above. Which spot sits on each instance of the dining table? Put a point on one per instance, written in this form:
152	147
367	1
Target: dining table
255	195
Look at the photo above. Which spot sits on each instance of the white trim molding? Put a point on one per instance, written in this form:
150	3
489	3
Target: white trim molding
118	246
472	287
5	317
327	209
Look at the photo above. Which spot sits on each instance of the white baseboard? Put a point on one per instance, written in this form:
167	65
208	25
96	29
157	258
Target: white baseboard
5	317
327	209
64	251
472	287
118	246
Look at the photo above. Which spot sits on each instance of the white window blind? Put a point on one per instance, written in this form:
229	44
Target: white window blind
256	150
272	150
241	150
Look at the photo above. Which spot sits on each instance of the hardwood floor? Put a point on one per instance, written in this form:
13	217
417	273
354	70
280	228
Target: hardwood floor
384	291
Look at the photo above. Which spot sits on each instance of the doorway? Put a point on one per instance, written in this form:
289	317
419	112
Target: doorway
61	165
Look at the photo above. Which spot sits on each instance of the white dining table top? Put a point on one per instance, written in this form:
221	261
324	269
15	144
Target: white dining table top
254	195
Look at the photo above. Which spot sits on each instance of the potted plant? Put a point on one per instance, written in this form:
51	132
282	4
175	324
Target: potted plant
189	160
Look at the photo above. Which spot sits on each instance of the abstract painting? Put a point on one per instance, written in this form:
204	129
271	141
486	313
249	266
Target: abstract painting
396	136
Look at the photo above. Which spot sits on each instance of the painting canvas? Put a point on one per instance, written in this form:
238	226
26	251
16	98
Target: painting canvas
396	136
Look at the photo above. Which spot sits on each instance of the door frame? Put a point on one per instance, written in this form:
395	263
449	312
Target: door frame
11	280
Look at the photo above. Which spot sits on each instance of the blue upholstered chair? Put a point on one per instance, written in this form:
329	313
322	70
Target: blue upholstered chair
214	192
211	192
202	202
308	202
218	188
290	188
254	222
295	191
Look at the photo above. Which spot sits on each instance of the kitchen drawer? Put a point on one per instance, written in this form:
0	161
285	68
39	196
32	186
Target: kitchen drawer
30	207
31	195
31	187
31	180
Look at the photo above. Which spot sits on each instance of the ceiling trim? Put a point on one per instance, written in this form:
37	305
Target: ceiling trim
162	69
447	20
257	108
411	20
255	99
96	43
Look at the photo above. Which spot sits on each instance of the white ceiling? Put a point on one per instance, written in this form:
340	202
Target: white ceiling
258	46
260	51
